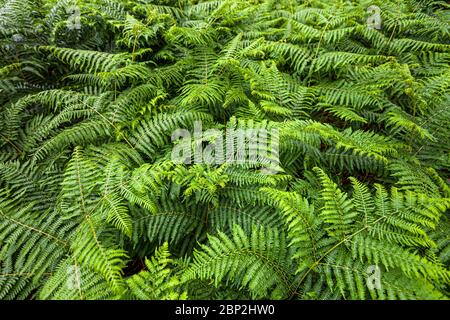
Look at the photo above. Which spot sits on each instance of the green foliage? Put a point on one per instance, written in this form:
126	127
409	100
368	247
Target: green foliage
93	207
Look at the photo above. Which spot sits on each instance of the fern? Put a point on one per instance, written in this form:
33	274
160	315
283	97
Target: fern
354	179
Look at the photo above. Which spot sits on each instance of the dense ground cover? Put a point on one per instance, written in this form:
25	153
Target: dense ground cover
350	201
